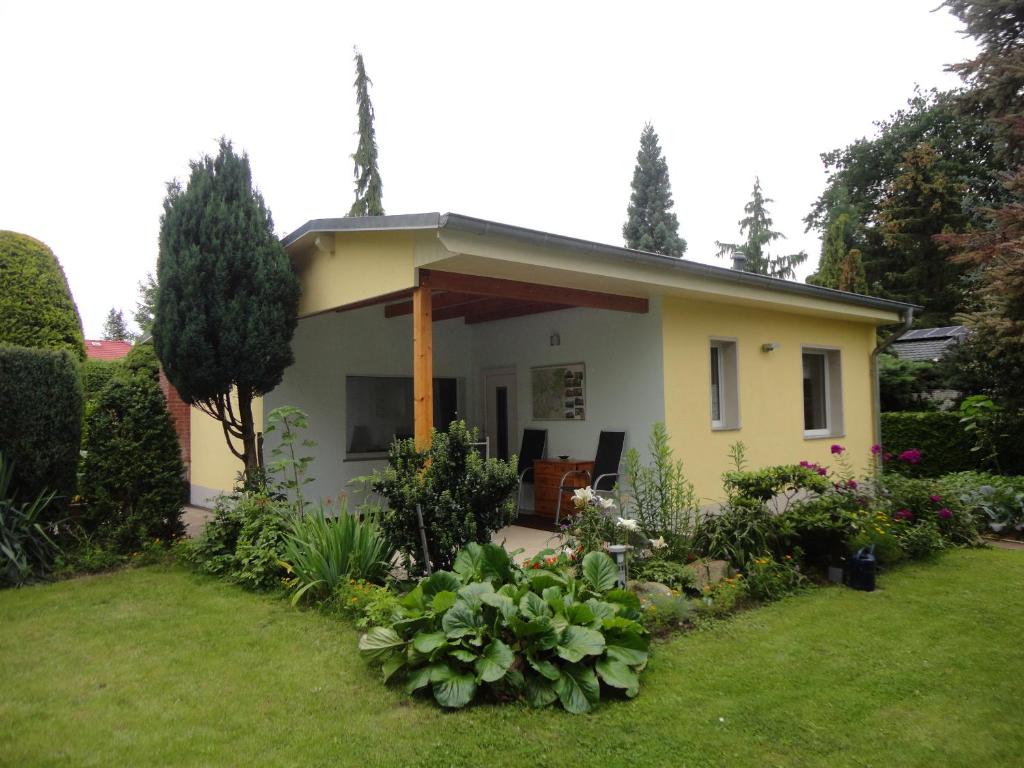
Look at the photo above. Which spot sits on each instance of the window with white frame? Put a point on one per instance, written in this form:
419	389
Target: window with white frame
725	410
822	393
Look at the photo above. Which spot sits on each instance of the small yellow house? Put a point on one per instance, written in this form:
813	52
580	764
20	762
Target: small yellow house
409	321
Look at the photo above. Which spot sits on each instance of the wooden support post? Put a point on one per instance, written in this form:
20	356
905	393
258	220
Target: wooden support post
422	363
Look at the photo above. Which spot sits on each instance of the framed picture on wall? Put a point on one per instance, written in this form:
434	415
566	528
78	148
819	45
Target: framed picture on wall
559	392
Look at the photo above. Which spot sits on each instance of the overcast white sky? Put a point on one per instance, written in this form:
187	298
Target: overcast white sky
525	113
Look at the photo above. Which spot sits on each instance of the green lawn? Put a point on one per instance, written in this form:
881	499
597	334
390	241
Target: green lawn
156	666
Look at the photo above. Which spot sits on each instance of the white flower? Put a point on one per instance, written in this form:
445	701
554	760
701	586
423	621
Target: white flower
658	543
629	525
605	502
582	496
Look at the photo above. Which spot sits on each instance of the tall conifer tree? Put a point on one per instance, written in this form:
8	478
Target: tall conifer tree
228	297
757	226
369	188
650	224
115	328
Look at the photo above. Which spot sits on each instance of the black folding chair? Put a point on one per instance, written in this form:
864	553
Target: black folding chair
606	468
532	449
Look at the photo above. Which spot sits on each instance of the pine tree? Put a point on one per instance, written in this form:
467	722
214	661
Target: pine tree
228	299
757	225
851	273
650	224
369	188
842	234
115	328
145	307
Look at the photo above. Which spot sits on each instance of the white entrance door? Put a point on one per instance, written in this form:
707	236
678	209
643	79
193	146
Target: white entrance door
500	411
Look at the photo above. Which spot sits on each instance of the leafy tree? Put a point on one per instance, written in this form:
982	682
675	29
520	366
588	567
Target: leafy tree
920	203
36	307
145	307
228	297
369	188
115	328
757	226
650	224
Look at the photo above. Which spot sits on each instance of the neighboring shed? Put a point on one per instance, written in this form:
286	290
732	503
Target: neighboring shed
928	344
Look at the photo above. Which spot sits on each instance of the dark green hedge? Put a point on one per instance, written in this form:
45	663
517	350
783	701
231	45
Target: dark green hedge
36	308
41	420
938	435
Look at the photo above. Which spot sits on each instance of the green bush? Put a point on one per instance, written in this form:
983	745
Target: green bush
671	573
769	579
463	497
244	541
132	474
366	604
490	627
940	437
324	552
41	423
36	308
26	549
947	502
737	534
822	527
921	541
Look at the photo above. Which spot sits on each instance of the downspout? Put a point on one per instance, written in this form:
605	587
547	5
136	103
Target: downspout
908	320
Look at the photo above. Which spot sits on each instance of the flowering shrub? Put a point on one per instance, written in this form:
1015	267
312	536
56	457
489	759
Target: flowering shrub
489	627
367	604
590	526
721	598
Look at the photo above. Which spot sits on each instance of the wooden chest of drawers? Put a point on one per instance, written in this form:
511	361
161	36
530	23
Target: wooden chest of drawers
547	474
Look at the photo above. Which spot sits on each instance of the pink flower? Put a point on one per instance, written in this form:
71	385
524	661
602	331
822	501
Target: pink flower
887	457
822	471
876	449
904	514
805	464
944	513
851	484
913	456
935	497
837	449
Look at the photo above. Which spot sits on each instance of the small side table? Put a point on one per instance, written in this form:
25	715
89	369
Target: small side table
547	474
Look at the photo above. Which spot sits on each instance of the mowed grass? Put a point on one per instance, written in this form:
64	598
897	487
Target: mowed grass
157	666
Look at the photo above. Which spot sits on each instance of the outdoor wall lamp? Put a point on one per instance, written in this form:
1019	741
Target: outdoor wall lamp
771	346
555	339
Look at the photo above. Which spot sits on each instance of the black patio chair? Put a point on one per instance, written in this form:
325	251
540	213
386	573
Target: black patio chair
606	468
532	449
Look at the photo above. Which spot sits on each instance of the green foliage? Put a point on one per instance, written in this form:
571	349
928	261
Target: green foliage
737	533
662	500
920	542
141	361
244	541
228	297
489	627
589	527
145	307
650	223
939	436
823	526
115	328
322	553
36	307
757	228
981	419
657	568
26	549
96	374
954	503
132	474
292	469
369	187
768	579
463	497
747	488
903	384
41	422
365	603
842	237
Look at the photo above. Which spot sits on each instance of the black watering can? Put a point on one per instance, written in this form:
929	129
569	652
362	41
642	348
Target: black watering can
862	569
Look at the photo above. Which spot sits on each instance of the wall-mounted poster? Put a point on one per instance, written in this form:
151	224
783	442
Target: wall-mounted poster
559	392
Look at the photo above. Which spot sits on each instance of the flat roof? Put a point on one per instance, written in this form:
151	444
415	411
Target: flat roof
482	227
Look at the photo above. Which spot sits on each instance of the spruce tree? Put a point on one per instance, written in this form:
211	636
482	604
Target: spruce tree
369	188
650	224
115	328
228	297
757	226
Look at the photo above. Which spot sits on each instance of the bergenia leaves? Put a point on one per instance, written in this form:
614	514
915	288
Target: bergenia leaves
379	643
495	662
578	642
600	572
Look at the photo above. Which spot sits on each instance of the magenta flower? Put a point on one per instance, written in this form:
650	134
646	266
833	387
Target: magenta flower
805	464
876	449
935	497
944	513
822	471
837	449
887	457
851	484
904	514
913	456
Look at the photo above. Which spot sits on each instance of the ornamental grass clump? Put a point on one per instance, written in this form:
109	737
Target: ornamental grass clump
491	629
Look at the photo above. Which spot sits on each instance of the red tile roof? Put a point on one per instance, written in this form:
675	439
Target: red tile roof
107	350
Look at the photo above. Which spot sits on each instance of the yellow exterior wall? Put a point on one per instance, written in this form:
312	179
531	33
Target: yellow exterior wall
214	467
363	265
770	387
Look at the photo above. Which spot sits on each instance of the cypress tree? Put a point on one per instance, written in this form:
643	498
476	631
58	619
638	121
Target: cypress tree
228	297
369	188
757	225
115	328
650	224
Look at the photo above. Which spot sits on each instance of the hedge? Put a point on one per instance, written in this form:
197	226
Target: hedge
36	308
939	436
41	420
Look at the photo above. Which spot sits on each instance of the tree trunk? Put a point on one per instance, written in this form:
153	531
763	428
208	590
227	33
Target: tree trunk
250	446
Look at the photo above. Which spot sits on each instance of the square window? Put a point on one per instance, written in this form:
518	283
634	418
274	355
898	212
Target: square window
725	410
822	393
